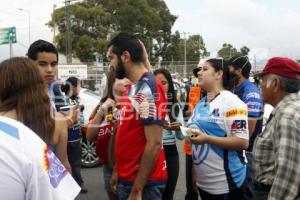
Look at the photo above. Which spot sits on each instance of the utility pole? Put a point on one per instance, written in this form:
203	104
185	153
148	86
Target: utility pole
69	39
184	72
10	46
53	20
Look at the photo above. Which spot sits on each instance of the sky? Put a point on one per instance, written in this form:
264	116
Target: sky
268	27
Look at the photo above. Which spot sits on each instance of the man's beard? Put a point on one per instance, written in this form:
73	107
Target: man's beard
120	70
234	78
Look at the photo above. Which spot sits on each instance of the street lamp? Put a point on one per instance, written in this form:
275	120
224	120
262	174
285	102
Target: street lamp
28	12
184	33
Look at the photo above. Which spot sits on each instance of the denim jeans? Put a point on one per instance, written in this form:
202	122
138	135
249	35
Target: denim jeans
74	156
152	190
107	173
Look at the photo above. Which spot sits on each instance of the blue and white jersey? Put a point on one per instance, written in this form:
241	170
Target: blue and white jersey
220	170
251	95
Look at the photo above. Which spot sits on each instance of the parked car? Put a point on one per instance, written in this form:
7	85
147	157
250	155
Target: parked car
89	99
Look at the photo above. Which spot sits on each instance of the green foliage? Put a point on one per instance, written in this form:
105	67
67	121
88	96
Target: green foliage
92	21
227	51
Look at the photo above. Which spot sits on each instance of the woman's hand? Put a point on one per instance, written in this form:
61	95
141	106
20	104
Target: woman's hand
175	126
198	137
109	103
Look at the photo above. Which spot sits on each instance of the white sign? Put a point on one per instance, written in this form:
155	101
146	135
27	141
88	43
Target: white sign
66	71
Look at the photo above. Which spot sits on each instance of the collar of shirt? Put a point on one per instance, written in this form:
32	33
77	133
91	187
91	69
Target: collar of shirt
242	85
288	98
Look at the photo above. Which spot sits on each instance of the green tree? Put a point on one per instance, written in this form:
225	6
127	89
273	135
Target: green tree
244	51
93	21
227	51
195	47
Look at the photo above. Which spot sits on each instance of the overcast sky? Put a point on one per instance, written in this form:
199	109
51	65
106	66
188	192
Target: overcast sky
267	27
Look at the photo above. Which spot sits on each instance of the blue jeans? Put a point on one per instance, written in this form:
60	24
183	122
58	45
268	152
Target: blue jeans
107	173
74	156
152	190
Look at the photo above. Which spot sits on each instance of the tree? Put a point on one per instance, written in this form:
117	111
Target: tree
92	21
194	45
228	51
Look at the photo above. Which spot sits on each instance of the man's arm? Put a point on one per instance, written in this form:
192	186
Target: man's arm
287	161
153	134
251	125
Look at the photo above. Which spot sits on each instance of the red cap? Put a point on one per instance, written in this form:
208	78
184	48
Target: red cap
283	67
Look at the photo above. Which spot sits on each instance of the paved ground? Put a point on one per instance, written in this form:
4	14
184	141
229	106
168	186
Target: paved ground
93	178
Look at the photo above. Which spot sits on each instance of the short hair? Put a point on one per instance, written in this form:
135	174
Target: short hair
22	88
73	81
41	46
241	62
127	42
288	85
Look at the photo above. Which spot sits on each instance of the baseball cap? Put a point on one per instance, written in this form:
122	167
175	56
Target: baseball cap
282	66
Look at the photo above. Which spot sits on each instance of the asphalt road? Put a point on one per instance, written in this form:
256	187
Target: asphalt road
93	178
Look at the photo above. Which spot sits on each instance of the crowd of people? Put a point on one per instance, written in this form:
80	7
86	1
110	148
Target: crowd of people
136	125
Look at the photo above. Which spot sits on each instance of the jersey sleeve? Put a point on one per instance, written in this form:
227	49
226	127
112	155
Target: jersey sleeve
148	102
254	102
236	120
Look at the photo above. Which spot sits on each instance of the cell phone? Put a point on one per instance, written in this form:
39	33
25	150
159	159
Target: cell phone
66	108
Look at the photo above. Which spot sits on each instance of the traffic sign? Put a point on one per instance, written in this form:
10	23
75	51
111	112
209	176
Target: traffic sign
8	35
65	71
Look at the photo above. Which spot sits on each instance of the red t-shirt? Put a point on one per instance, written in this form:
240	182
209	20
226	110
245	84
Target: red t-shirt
143	104
103	137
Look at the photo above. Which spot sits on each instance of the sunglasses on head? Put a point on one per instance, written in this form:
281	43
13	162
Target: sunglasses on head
247	60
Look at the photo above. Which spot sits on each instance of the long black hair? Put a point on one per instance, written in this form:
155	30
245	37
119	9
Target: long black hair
220	64
172	99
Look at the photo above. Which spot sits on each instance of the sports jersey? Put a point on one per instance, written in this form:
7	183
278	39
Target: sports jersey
219	170
104	133
251	95
28	168
143	104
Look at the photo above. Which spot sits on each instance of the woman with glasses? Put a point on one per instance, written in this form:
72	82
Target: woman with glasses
218	130
173	121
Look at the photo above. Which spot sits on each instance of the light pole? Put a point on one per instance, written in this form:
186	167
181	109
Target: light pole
28	12
184	33
53	20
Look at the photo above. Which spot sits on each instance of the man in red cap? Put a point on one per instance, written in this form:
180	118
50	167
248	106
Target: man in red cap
276	150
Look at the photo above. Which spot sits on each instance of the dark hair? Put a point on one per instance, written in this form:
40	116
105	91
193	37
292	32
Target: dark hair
127	42
111	77
172	100
241	62
73	81
22	88
220	64
41	46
